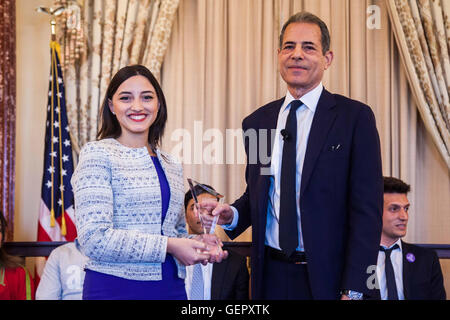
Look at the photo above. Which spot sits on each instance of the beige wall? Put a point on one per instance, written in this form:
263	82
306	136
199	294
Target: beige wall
33	67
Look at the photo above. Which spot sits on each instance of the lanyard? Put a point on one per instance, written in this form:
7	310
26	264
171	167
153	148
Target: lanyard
2	277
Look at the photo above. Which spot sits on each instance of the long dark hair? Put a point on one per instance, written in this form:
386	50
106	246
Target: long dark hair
110	127
6	260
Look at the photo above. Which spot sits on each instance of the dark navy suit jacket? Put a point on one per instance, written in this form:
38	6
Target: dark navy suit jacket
341	197
230	279
422	274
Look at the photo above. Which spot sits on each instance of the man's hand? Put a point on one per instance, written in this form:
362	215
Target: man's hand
213	209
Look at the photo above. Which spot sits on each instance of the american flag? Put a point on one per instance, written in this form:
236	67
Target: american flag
56	213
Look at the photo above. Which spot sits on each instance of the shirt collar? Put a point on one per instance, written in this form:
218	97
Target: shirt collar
310	99
398	242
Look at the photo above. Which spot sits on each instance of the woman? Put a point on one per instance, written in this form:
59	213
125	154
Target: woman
15	281
129	199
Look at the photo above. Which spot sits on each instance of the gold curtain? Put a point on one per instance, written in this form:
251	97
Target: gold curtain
422	30
104	36
7	111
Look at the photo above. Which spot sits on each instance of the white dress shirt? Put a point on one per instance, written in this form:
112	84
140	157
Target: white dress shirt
63	275
397	264
207	277
305	115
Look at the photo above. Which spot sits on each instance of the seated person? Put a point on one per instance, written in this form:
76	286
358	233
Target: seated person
228	280
404	271
63	274
15	281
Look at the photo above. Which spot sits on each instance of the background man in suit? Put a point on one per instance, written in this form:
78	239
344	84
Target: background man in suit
315	208
405	271
228	280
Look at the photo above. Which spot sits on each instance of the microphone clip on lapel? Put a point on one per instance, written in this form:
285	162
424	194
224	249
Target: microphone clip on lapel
285	134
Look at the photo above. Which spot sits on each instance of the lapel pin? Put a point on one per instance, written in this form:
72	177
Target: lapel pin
334	148
410	257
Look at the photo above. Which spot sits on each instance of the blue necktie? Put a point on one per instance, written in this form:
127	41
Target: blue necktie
390	275
197	283
288	229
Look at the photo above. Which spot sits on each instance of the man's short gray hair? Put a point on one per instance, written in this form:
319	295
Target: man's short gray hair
306	17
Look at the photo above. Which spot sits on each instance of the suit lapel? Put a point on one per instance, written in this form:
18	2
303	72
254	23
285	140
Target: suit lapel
407	270
268	121
322	122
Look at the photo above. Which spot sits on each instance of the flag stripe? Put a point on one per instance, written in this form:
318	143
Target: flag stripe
71	213
54	233
42	234
47	233
70	226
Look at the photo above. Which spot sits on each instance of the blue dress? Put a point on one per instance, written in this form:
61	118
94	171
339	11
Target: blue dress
101	286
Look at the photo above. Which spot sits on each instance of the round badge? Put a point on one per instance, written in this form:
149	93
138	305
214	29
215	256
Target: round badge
410	257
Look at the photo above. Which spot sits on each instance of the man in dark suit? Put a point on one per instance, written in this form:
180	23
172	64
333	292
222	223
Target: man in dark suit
405	271
228	280
315	208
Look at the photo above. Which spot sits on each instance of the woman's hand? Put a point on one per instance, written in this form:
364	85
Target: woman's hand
215	247
188	251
